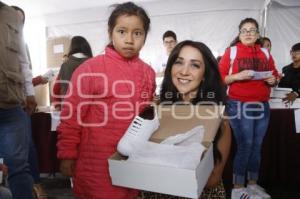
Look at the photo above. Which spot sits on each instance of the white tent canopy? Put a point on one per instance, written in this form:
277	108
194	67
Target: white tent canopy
213	22
283	28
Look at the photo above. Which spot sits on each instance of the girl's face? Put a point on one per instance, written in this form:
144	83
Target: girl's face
248	34
188	71
267	45
128	35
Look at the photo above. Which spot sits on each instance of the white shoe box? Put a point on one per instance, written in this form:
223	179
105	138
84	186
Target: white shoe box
276	103
280	92
169	180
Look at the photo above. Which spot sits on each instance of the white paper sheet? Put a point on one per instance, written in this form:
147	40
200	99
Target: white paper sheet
261	75
297	120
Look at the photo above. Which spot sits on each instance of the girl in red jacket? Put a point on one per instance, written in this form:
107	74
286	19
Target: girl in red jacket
247	106
104	95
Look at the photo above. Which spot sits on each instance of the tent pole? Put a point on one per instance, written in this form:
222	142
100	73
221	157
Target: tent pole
265	15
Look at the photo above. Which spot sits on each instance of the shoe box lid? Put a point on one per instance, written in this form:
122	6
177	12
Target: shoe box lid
175	119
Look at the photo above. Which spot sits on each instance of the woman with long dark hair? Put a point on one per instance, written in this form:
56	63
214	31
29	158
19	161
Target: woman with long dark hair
79	51
192	76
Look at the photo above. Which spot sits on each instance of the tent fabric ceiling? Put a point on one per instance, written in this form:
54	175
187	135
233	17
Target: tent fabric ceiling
283	29
289	3
48	7
45	7
213	22
190	19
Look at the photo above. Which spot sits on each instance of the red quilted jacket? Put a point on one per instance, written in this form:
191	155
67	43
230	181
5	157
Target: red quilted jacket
105	94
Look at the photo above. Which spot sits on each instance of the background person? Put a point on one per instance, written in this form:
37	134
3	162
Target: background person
169	41
14	137
291	75
244	93
159	65
31	104
79	51
266	43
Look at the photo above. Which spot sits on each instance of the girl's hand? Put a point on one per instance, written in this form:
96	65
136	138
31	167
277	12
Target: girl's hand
67	167
271	80
244	75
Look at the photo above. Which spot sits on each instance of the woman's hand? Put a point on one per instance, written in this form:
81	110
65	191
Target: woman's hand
271	80
67	167
244	75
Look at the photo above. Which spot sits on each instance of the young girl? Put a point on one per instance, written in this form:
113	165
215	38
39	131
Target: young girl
192	76
248	107
105	93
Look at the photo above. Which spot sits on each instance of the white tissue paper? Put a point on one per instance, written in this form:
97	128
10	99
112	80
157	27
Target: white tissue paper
258	75
179	151
194	135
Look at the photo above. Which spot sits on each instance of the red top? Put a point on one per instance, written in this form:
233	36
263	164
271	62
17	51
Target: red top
98	109
248	58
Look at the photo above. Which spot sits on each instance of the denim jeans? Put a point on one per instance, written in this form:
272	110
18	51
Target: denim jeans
249	122
32	156
14	146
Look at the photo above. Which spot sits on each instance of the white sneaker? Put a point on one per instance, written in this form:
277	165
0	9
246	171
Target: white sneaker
243	193
138	132
240	193
259	191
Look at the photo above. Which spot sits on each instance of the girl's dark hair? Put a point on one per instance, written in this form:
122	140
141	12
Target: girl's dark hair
246	20
21	10
212	83
80	45
265	39
169	33
210	90
128	9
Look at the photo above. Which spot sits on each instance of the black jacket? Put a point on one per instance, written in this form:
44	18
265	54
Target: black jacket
291	78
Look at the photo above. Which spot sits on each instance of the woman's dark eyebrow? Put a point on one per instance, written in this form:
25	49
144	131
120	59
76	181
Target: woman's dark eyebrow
196	60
